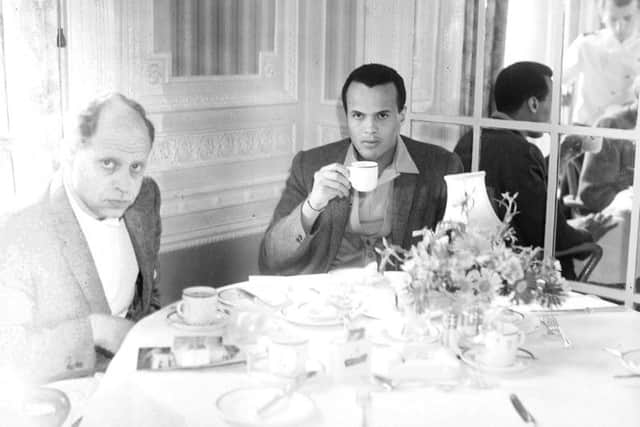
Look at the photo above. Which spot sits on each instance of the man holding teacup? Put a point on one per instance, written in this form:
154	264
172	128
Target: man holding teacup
78	267
342	198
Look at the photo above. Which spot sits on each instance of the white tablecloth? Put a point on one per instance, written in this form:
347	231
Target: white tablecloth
563	387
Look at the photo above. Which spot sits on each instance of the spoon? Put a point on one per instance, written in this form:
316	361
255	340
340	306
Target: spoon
254	298
385	382
614	351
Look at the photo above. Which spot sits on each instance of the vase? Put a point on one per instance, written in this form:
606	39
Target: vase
416	317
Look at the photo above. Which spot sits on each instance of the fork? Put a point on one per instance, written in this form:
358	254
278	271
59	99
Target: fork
554	328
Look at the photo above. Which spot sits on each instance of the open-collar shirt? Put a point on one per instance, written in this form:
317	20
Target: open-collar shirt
370	215
112	252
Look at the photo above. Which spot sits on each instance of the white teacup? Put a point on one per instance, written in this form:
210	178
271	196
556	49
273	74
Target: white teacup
501	345
287	355
199	305
363	175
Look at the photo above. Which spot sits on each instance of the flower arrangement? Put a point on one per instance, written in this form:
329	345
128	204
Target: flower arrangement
472	266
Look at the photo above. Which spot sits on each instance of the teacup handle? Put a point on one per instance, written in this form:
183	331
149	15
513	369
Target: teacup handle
180	309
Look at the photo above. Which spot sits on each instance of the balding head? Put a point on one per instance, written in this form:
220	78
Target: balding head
109	154
125	110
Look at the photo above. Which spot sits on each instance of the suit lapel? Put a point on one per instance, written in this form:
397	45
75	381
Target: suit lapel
75	249
134	220
403	190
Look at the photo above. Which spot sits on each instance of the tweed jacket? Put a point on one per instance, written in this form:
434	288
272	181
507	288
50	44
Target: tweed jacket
610	170
418	201
514	165
49	283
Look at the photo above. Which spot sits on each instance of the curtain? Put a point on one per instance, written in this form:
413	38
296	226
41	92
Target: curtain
495	30
220	37
30	95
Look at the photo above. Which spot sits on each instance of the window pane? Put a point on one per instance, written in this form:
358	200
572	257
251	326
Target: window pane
507	43
443	63
215	37
596	175
442	134
33	90
601	61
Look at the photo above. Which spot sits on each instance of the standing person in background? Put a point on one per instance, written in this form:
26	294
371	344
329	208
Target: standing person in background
602	65
79	266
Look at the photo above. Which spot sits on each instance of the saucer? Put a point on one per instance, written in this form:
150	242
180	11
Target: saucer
175	320
389	335
312	314
472	358
240	407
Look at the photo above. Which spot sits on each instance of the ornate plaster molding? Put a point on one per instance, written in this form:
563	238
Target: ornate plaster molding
173	151
212	234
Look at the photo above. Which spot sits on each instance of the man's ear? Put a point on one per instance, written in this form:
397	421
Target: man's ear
402	114
532	103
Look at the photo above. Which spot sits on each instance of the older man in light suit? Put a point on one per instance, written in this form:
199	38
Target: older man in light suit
79	266
320	223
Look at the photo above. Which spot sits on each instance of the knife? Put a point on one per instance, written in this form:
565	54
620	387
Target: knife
522	411
293	386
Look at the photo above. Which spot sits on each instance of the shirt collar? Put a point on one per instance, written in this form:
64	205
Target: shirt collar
503	116
401	163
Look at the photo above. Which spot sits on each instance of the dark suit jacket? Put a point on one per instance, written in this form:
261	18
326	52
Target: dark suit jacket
514	165
47	270
418	201
610	170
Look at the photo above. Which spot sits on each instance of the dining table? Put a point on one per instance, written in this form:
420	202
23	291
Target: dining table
580	384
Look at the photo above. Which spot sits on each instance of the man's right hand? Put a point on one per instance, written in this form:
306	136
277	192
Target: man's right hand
597	225
329	182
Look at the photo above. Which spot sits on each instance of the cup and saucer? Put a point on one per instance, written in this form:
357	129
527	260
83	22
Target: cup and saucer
501	352
198	310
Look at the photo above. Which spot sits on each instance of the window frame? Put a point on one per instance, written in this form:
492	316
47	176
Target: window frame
554	128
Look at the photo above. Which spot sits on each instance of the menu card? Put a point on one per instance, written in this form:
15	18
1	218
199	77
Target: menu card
189	352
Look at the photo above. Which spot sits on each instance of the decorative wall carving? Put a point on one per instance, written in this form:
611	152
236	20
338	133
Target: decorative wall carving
190	148
330	133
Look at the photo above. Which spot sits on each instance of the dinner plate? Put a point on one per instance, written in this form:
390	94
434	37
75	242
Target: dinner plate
472	358
240	407
391	333
174	319
312	314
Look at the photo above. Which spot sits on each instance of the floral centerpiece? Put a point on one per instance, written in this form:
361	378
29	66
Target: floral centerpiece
471	266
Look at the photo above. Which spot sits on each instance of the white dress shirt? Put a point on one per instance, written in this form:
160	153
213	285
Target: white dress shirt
603	70
112	253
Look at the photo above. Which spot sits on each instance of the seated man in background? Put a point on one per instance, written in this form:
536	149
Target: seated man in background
609	171
512	164
78	267
321	223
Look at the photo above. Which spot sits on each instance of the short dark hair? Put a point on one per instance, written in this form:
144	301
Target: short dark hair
519	82
375	75
618	3
88	118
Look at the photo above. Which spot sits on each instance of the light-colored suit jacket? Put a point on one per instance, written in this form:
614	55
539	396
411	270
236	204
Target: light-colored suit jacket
49	283
418	201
